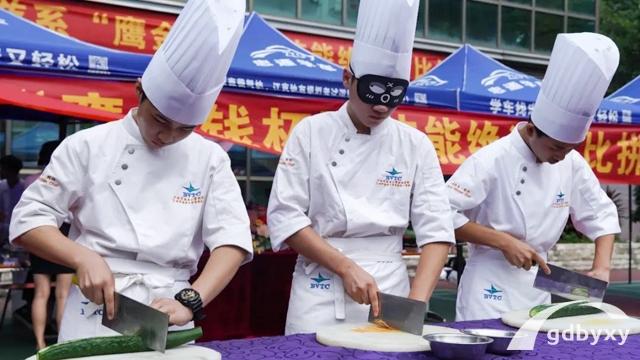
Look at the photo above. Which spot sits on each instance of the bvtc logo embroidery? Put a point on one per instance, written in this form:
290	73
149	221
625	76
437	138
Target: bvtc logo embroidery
493	294
561	200
190	195
317	282
393	178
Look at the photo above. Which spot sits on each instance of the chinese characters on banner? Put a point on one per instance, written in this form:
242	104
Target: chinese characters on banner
264	123
142	31
113	27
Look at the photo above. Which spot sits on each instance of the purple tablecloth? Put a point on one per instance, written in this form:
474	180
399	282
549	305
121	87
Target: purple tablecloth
306	347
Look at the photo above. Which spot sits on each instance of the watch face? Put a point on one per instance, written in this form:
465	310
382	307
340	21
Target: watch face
189	295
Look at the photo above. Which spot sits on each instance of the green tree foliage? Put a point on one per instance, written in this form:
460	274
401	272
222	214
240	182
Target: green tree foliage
620	20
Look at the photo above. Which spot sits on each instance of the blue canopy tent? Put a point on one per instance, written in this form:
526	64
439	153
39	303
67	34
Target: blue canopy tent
28	47
265	61
628	94
470	81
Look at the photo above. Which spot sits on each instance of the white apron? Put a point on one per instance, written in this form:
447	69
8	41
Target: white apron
489	285
318	298
140	281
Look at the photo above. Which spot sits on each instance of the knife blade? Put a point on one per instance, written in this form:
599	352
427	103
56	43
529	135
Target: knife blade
400	313
132	317
570	285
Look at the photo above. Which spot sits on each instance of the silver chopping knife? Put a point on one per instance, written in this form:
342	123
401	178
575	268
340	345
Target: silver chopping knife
135	318
570	285
400	313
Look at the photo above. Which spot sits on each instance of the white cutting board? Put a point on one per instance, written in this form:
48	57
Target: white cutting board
594	322
185	352
361	337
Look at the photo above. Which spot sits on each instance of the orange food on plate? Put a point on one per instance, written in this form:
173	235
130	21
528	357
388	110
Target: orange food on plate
379	327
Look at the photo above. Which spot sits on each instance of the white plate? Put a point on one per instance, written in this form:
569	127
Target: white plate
185	352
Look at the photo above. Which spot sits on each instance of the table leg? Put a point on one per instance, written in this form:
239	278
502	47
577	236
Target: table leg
4	310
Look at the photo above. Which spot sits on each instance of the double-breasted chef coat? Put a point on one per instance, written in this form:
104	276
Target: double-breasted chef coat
358	192
148	213
502	187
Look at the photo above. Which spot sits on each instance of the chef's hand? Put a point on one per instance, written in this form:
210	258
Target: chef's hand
360	285
178	314
600	273
521	255
96	281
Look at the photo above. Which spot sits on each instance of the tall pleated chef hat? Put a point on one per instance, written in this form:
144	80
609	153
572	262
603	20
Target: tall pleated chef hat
187	73
580	70
383	44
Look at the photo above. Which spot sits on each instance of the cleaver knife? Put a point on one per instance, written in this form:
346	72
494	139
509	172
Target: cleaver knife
132	317
570	285
400	313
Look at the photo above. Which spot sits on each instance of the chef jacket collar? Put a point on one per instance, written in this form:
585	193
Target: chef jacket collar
132	127
351	128
520	145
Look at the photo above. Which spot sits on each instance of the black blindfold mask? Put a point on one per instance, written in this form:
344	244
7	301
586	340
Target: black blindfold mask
381	90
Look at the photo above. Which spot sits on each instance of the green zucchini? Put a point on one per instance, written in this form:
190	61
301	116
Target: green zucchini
108	345
578	308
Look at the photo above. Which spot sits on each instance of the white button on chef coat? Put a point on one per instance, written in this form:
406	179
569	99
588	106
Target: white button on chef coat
501	186
359	193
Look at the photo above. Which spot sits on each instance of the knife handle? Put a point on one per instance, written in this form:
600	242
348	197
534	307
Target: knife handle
74	280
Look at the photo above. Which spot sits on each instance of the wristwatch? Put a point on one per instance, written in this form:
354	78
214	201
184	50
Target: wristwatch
191	299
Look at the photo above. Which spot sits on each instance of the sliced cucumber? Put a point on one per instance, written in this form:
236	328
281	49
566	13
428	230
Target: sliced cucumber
578	308
108	345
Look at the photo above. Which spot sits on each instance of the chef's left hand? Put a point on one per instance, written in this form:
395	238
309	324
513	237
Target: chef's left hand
178	314
600	273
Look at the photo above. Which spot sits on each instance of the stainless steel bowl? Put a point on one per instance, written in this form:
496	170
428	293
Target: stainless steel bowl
501	339
458	346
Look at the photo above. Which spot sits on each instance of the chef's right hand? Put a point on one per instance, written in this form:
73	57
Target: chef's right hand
522	255
360	285
96	281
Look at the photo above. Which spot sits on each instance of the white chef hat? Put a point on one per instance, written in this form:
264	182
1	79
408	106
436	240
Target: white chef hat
187	73
579	72
385	31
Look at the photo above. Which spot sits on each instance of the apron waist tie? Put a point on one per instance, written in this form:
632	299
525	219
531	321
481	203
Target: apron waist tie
358	254
130	272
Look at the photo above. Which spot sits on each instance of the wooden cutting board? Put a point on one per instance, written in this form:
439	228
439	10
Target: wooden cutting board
185	352
594	322
367	336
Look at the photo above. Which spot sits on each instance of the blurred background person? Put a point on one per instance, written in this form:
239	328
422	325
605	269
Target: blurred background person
43	270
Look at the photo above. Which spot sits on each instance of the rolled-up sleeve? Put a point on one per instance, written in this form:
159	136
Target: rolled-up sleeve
430	209
47	201
225	217
289	199
467	189
592	212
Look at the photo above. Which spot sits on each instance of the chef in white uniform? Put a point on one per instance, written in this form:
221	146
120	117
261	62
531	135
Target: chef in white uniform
146	193
349	182
512	198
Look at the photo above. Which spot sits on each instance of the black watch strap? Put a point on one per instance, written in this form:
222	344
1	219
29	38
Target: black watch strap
191	299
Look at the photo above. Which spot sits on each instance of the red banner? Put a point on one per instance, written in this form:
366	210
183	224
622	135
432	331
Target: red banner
142	31
114	27
264	123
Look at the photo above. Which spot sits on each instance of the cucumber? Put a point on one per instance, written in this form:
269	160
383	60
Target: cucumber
576	309
108	345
